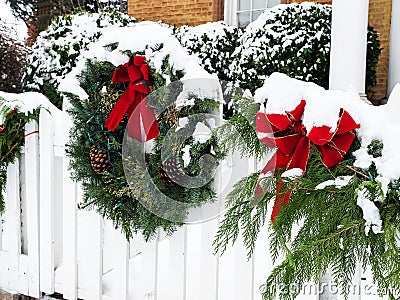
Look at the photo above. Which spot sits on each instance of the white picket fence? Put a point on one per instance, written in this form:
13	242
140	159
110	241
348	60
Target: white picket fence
48	245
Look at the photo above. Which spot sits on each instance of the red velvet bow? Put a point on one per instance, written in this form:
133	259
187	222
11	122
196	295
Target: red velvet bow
136	72
289	135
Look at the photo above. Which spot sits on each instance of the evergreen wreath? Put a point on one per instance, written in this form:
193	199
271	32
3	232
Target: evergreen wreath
12	138
97	160
322	226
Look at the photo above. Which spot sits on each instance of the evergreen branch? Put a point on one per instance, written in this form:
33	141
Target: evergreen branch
358	172
239	215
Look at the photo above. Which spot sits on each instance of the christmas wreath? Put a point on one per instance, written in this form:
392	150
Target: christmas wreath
129	176
12	138
334	185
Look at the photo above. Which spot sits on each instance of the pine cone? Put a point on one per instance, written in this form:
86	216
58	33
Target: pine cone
170	173
99	160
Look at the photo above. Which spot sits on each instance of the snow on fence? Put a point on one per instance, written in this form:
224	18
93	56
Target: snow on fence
48	245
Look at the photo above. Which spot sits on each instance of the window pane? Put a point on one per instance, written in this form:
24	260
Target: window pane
243	19
256	14
258	4
272	3
244	4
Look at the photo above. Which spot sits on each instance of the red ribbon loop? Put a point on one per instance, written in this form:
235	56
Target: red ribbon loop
132	101
287	133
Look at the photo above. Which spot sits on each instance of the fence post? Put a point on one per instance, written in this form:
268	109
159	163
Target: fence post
348	44
46	131
32	191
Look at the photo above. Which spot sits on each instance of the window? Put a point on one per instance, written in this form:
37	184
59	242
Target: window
242	12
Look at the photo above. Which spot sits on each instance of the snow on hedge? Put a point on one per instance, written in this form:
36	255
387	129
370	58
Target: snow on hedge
56	50
293	39
213	43
156	41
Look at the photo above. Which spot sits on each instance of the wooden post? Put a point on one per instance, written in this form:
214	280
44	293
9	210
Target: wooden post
348	44
394	49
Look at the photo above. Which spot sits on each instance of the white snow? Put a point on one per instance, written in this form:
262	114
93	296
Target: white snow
292	173
202	133
283	94
141	37
338	182
370	213
25	102
186	155
182	122
17	26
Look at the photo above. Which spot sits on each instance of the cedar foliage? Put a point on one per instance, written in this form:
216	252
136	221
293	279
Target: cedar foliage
319	229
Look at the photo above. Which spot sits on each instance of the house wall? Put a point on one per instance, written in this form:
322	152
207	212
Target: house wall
380	12
177	12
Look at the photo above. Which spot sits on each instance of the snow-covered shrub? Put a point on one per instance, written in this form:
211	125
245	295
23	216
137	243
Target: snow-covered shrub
13	55
293	39
55	52
214	44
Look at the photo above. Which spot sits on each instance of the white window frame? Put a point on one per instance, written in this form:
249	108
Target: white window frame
231	11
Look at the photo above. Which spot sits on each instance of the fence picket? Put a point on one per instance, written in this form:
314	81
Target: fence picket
46	131
70	267
91	255
13	225
32	203
121	267
143	272
176	266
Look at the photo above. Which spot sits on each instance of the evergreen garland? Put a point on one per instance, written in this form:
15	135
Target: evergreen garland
114	194
319	228
12	138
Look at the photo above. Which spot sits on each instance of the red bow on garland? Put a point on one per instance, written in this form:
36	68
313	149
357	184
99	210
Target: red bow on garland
136	73
289	135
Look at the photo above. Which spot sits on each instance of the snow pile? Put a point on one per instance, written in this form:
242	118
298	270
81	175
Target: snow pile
24	102
339	182
16	27
281	94
57	48
213	43
156	42
370	213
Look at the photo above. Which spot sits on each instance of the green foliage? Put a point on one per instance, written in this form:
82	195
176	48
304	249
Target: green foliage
373	52
12	138
375	148
238	133
109	192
